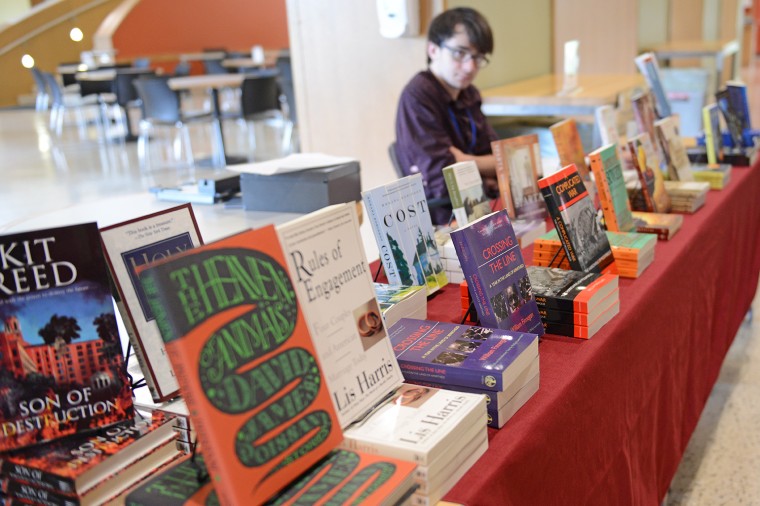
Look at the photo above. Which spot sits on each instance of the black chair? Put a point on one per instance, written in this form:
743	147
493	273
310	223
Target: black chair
126	94
182	69
162	111
286	83
214	67
262	101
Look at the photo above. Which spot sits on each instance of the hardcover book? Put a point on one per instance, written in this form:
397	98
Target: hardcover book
419	424
493	266
611	185
570	291
647	65
139	242
676	158
404	233
60	353
713	135
518	160
647	166
465	187
78	465
583	239
333	283
241	348
343	477
567	139
451	354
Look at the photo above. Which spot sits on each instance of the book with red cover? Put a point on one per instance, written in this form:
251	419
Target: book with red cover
575	219
245	361
77	464
60	354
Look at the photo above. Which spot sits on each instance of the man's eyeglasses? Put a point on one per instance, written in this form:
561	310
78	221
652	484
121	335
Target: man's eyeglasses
463	56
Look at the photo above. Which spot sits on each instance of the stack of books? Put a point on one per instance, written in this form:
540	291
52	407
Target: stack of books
90	468
717	175
442	431
401	301
687	196
177	409
633	252
501	364
665	225
574	303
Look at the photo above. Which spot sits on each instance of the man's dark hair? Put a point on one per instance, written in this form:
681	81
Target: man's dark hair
477	28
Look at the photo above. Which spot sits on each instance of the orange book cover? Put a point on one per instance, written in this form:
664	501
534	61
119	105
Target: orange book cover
567	139
245	363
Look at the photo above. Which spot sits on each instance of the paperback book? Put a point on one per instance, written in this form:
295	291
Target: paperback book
647	65
584	331
570	291
652	183
239	343
676	158
404	233
451	354
82	467
141	241
664	225
567	139
333	284
398	301
610	183
713	135
465	187
493	266
518	160
583	239
60	353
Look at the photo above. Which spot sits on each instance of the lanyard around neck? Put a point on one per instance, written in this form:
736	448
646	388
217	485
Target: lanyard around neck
455	123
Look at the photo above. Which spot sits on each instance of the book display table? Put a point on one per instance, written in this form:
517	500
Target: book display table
613	414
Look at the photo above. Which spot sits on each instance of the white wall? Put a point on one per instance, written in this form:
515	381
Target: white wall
12	9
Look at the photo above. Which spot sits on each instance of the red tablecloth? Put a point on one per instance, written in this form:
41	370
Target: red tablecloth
613	414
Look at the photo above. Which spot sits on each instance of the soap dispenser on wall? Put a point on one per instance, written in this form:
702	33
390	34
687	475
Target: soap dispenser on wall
398	18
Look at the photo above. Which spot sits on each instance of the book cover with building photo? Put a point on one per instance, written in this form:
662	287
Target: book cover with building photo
61	365
333	282
576	221
403	230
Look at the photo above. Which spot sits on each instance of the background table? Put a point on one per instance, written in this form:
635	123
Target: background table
614	414
717	50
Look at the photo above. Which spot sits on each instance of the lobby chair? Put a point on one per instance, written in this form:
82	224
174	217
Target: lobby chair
261	106
166	128
42	99
61	103
112	125
126	94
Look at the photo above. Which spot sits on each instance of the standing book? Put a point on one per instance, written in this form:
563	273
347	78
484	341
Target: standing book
465	187
647	65
138	242
403	230
245	361
713	136
451	354
333	283
611	185
60	353
494	268
676	158
583	239
647	166
518	160
569	146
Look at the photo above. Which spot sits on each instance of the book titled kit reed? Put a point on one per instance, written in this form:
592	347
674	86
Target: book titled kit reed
583	238
245	362
60	354
493	266
447	353
404	233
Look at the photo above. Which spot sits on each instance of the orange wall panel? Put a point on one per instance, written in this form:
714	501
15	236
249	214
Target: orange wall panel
175	26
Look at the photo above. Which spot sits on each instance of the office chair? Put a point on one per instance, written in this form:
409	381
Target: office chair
432	203
261	104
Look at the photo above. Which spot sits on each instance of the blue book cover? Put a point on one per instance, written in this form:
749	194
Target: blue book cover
493	266
451	354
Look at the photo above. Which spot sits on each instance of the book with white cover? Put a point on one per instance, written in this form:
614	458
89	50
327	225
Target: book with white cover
468	200
129	245
673	150
417	423
333	282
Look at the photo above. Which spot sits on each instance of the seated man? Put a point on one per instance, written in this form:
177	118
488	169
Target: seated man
439	121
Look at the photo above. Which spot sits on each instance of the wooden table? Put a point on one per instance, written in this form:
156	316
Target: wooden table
212	82
543	95
715	49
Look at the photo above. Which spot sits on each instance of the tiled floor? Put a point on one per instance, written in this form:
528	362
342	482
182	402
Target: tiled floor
722	462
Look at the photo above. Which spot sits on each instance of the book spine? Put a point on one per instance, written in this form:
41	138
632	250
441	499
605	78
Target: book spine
472	378
553	303
38	478
662	233
709	136
383	245
450	178
474	281
29	493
